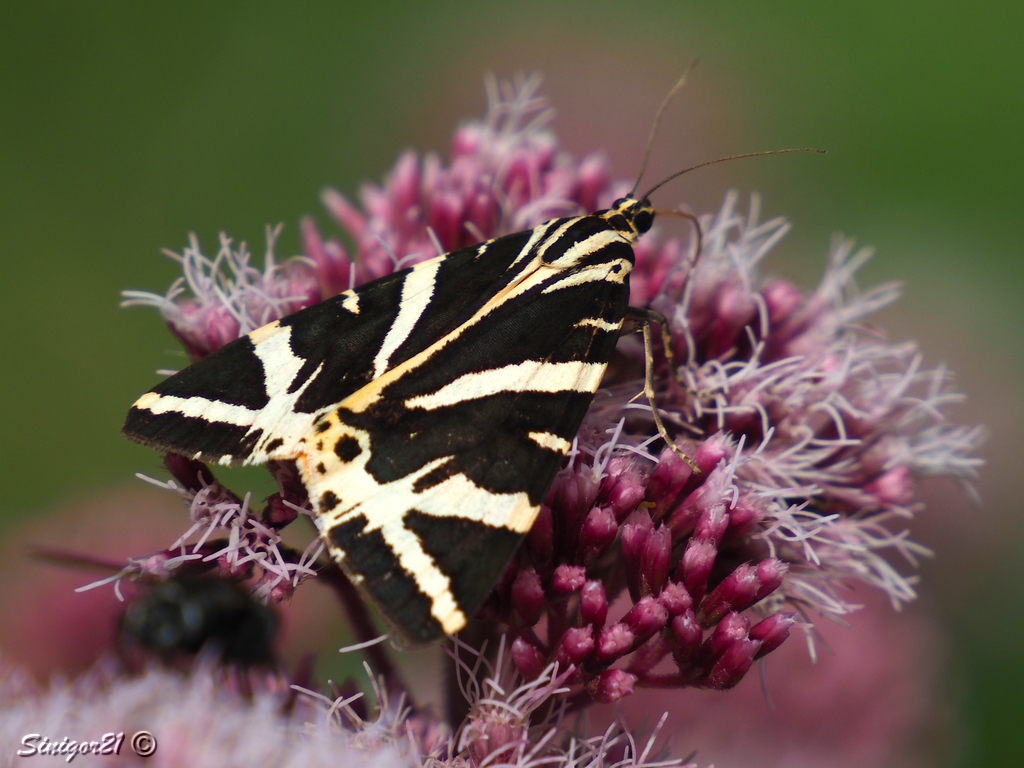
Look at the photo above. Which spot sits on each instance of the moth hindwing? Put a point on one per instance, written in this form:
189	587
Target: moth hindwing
427	411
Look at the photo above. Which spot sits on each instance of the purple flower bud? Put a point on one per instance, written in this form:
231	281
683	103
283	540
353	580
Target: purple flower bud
736	592
332	264
377	205
772	632
688	636
300	281
646	617
593	180
712	523
748	511
667	479
192	474
614	641
782	299
445	217
403	183
483	213
649	654
568	579
503	587
467	140
695	567
733	663
895	487
599	531
281	591
541	536
711	452
491	732
656	266
570	499
228	568
635	532
527	658
203	329
735	309
654	561
575	644
527	597
344	212
577	492
277	514
593	603
611	685
714	492
207	502
623	486
675	598
731	629
770	572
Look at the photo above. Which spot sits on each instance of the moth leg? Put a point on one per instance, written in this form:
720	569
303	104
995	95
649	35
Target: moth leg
645	318
636	319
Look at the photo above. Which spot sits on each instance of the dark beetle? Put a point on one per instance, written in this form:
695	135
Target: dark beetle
178	618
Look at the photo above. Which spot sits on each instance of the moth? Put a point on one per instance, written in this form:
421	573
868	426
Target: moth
427	411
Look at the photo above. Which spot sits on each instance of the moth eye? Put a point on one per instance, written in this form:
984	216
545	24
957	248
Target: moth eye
643	220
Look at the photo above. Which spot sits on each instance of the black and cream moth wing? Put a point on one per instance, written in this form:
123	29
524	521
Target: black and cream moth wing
426	479
428	411
252	399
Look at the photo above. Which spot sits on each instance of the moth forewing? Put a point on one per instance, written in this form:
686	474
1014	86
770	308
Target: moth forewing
428	411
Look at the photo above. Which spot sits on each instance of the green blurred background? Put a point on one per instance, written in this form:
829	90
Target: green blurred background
124	126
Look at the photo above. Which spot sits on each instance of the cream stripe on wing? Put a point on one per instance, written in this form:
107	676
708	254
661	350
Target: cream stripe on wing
538	234
198	408
599	323
607	271
550	441
583	248
279	418
417	291
555	237
351	302
430	579
528	376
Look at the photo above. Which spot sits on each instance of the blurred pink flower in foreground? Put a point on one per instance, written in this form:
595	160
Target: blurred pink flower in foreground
810	431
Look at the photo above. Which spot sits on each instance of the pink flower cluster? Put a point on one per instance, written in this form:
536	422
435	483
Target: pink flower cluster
685	604
809	430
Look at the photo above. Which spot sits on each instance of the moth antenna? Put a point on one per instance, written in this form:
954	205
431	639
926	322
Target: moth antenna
696	225
657	121
665	181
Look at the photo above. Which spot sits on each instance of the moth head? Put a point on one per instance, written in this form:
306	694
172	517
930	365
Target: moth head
638	215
